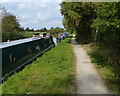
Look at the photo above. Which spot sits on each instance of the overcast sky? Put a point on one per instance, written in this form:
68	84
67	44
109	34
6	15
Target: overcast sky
35	13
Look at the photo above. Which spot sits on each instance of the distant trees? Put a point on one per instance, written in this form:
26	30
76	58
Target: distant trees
27	29
56	30
43	30
32	30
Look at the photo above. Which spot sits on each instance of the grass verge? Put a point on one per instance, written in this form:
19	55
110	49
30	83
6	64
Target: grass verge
104	70
27	34
53	73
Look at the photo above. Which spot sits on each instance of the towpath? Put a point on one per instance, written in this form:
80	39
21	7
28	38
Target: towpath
87	78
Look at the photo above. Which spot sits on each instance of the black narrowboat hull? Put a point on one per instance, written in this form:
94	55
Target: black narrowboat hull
16	56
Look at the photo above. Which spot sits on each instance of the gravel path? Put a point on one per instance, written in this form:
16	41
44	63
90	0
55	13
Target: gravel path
88	80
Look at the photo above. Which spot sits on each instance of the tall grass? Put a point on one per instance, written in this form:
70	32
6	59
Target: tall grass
104	69
53	73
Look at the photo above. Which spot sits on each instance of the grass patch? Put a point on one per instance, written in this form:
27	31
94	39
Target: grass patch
104	69
53	73
27	34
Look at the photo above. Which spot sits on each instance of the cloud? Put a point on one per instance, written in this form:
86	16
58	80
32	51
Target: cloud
42	16
22	6
30	5
24	16
30	0
37	24
26	22
59	0
36	14
51	23
4	1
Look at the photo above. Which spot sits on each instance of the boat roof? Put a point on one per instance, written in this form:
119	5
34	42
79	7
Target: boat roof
16	42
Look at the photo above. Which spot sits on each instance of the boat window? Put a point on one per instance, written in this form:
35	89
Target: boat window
29	49
12	58
37	47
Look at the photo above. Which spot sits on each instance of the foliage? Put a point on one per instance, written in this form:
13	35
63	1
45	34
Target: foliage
3	12
10	26
27	29
56	30
43	30
103	68
53	73
98	23
78	17
107	37
28	34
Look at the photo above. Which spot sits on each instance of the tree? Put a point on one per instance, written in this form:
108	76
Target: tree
67	25
3	12
56	30
21	29
43	30
32	30
107	38
27	29
78	17
98	22
10	26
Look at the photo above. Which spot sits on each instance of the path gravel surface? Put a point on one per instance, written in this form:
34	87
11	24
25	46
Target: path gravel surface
87	78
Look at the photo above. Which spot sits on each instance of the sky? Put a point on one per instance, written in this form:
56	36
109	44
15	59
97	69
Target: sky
35	14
